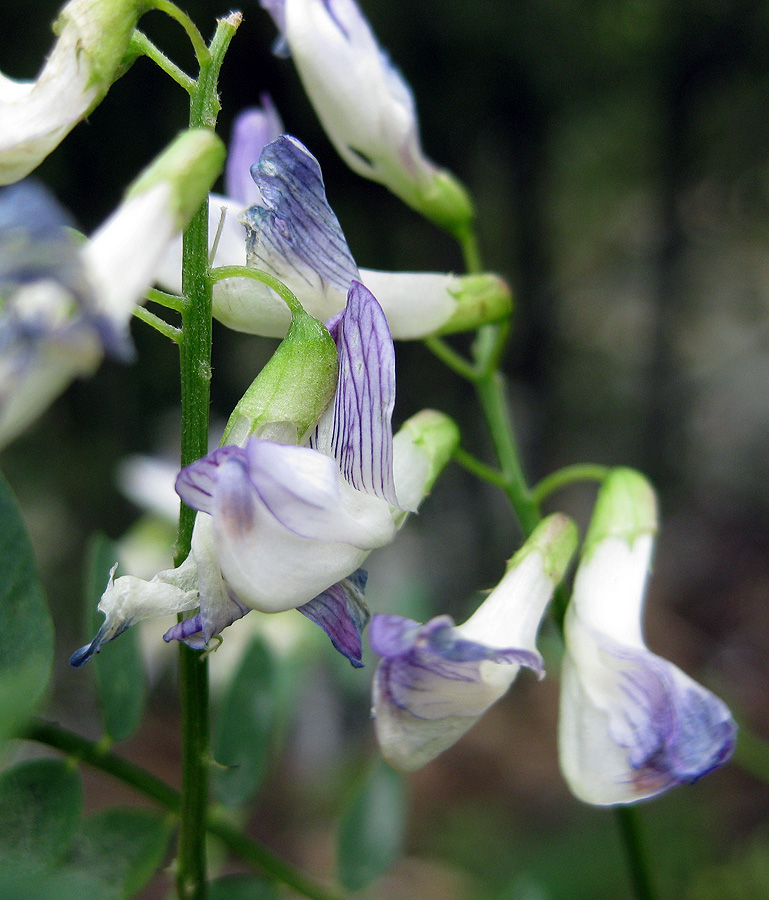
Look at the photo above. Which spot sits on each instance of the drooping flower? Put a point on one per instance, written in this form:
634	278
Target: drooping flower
64	301
435	680
93	37
286	527
365	106
631	723
292	233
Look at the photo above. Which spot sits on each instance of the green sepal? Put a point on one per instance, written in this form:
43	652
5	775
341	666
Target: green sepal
626	508
555	538
290	393
481	300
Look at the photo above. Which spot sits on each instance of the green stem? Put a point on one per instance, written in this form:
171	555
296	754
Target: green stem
223	272
449	357
195	366
103	759
196	38
479	469
170	301
160	325
143	45
565	476
627	822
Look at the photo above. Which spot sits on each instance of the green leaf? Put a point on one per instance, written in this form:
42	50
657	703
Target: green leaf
242	887
119	850
118	667
244	726
25	623
39	812
372	829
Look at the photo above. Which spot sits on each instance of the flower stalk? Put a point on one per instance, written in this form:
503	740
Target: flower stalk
195	367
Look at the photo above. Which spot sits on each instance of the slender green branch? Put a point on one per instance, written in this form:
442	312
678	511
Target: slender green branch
493	398
143	45
489	348
627	821
167	330
170	301
103	759
449	356
479	469
468	241
196	38
565	476
223	272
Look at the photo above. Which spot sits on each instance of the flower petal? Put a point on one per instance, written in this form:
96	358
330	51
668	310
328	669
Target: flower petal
342	613
632	724
357	432
432	685
293	233
252	130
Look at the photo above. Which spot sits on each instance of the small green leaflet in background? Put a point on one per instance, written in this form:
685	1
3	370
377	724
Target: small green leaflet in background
25	623
118	667
242	887
371	832
120	850
40	805
244	727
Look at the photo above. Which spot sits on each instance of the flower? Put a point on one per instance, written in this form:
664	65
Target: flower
435	680
631	723
365	106
63	301
286	527
292	233
93	37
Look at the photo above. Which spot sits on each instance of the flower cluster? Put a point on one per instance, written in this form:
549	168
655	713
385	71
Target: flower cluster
309	478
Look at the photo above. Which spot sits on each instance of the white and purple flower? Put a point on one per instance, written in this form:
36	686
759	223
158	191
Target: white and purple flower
631	723
435	680
287	527
63	302
37	115
277	218
365	106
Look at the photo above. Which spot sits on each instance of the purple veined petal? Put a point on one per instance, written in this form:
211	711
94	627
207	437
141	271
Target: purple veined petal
294	233
632	724
196	483
359	433
252	130
342	613
434	673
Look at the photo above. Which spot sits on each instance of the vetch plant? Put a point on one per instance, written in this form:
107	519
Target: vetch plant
310	482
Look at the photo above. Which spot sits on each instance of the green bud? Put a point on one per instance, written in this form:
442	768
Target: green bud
556	539
626	508
189	165
481	299
290	393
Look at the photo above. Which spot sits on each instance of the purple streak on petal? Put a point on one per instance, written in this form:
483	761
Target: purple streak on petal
252	130
196	483
432	672
362	437
277	9
342	613
294	231
197	630
674	730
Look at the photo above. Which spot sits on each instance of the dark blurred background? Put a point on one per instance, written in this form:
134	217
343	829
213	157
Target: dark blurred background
618	152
